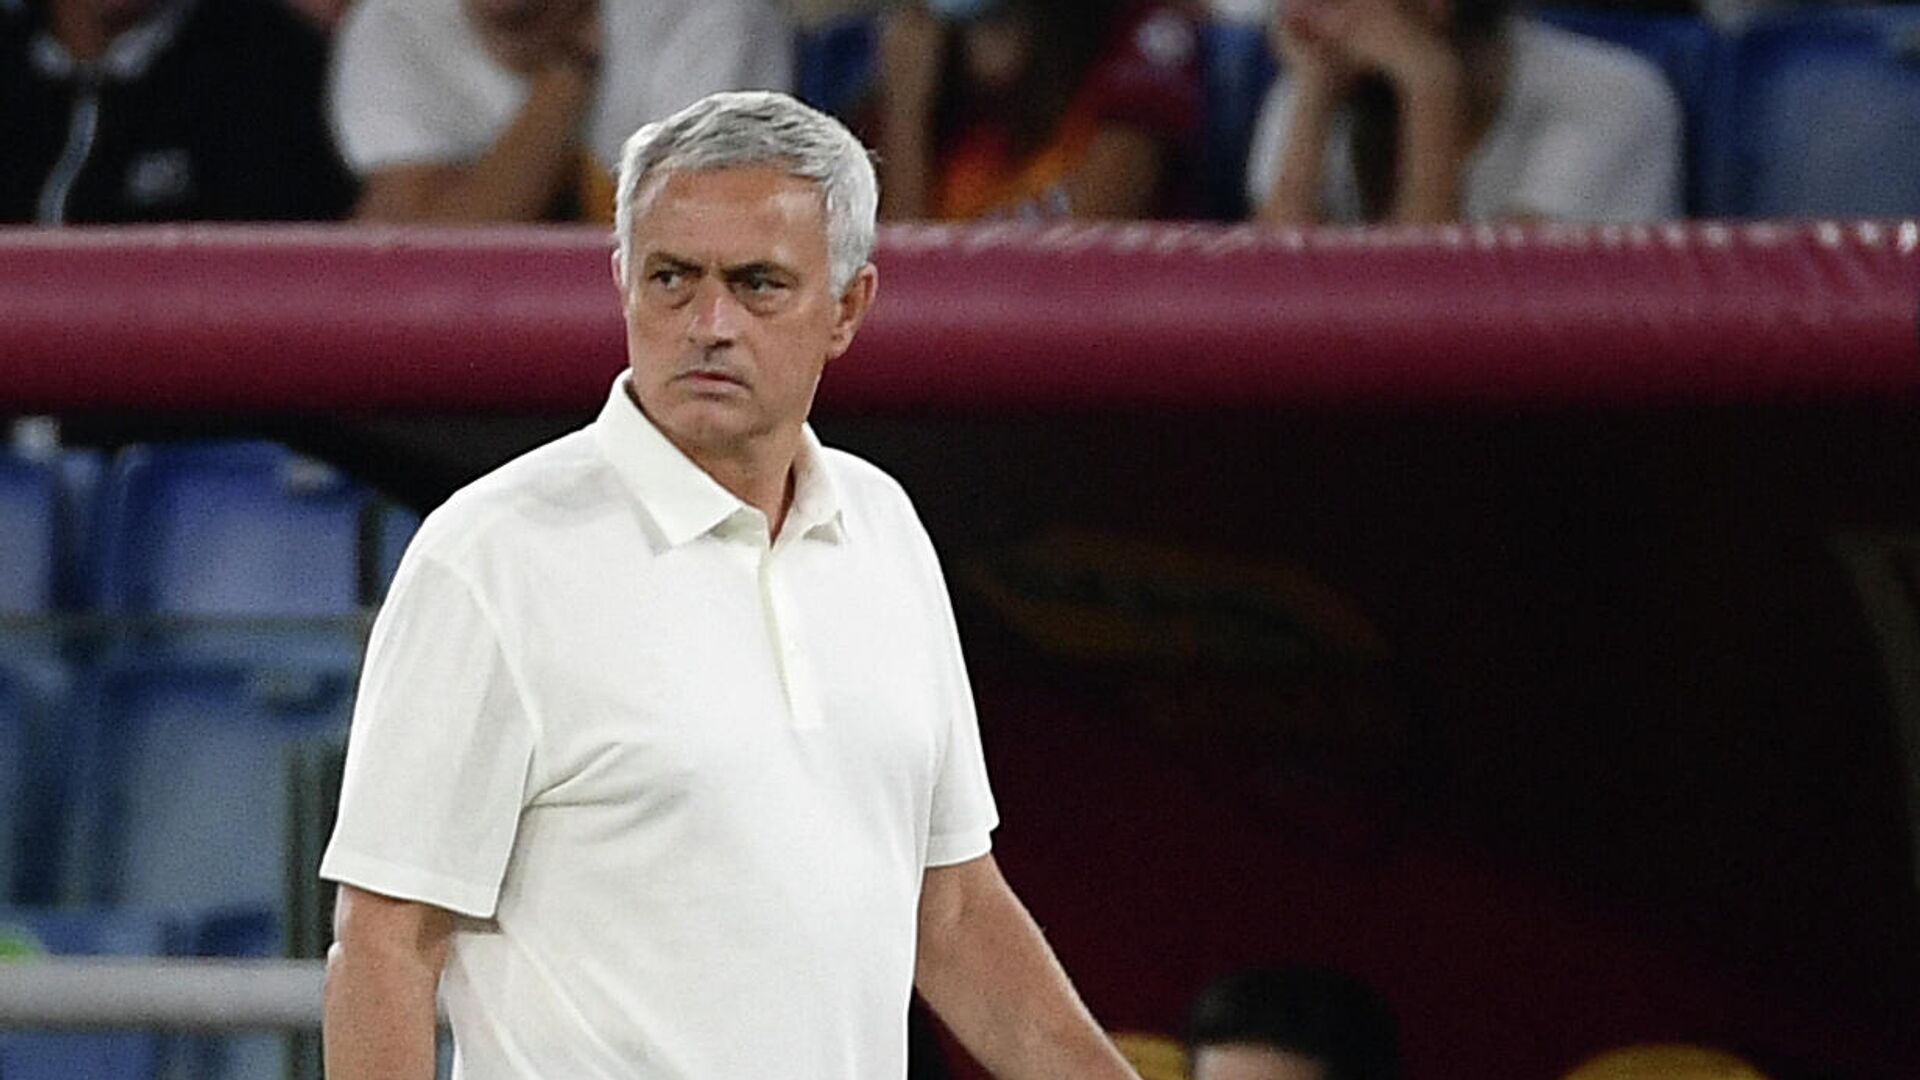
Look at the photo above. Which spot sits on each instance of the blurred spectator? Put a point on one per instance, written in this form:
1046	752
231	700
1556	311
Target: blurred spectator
1665	1061
163	110
325	14
1154	1057
515	110
1037	108
1292	1023
1686	8
808	14
1450	110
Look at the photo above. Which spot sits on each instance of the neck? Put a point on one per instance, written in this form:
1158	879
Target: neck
85	28
763	481
758	471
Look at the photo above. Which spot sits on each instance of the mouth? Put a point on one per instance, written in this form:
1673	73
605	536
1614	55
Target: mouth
705	379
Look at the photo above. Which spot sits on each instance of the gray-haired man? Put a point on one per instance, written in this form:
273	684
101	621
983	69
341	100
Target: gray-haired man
665	756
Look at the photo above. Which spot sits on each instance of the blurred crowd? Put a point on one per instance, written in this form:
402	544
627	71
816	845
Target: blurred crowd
1310	1022
513	110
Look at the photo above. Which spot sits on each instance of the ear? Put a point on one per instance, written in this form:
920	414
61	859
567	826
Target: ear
854	303
619	279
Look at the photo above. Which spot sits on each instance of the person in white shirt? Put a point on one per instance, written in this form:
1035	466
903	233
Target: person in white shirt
1424	111
514	110
665	757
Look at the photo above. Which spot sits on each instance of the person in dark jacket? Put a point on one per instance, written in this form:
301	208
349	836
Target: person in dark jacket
164	110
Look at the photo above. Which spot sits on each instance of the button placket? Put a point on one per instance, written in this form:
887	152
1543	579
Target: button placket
783	621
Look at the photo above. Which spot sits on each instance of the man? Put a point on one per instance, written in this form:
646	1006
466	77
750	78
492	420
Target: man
1292	1023
163	110
665	753
514	110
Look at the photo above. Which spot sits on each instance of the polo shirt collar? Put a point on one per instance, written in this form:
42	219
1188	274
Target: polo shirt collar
684	502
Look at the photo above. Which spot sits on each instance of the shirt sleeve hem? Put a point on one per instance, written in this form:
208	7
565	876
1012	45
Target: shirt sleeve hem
409	883
950	849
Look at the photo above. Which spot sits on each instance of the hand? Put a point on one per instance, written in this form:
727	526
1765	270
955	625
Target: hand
564	38
1386	37
1313	61
573	42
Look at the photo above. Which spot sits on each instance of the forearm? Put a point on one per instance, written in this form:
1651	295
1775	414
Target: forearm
1295	195
987	971
1119	178
519	176
906	180
380	1019
911	44
1432	105
383	976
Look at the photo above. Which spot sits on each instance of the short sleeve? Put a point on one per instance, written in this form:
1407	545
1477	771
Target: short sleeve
1149	77
662	57
963	816
385	101
439	753
1613	155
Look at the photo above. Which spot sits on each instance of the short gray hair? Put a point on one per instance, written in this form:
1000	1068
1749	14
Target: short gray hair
740	129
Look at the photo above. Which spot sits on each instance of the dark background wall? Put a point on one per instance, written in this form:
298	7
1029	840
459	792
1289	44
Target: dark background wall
1565	727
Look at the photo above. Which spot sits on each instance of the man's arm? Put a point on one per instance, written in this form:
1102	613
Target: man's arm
987	971
518	177
383	973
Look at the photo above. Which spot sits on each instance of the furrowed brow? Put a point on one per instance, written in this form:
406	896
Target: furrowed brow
661	260
758	268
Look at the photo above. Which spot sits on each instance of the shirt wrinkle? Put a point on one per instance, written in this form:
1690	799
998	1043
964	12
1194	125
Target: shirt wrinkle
515	676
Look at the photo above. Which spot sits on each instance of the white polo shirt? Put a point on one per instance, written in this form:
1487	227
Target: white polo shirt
680	785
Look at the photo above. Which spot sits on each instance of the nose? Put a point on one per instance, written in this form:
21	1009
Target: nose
715	316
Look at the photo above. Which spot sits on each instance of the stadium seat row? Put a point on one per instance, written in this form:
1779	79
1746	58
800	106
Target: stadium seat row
216	530
172	626
179	630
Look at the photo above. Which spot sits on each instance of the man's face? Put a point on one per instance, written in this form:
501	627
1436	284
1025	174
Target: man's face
1250	1061
730	314
522	34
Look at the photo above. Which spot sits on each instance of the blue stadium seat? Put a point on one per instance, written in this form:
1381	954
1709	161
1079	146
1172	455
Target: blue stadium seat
835	65
1822	116
25	933
183	781
241	549
245	931
29	534
33	787
16	765
1689	53
1238	69
33	535
396	525
80	472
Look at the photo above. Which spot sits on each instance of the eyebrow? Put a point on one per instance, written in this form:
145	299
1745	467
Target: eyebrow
674	262
660	259
765	267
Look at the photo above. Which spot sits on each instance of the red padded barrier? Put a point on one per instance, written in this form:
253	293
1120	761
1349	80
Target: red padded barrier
188	318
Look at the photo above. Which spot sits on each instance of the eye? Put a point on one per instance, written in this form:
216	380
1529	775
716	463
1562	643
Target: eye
667	277
761	284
